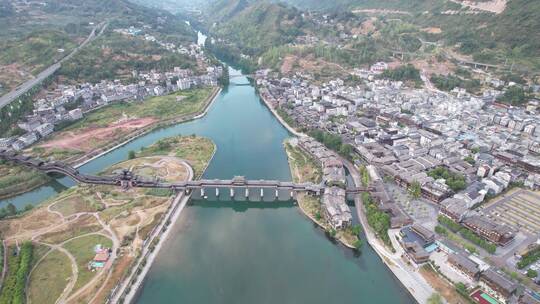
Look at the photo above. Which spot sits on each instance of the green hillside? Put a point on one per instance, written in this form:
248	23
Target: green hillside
255	27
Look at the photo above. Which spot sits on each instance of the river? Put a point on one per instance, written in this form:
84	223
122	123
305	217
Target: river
247	252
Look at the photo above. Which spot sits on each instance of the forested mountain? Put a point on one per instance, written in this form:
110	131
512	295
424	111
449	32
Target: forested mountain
498	35
254	25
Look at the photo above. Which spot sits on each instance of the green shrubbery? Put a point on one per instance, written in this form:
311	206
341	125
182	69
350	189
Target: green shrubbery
403	73
377	219
332	142
456	182
448	83
529	258
514	95
13	289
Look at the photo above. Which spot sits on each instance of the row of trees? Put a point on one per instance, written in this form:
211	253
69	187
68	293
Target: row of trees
13	289
377	219
467	234
364	174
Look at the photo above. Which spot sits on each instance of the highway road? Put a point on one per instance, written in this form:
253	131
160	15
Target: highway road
25	87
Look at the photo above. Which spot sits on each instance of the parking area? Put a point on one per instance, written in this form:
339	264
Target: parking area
420	210
520	210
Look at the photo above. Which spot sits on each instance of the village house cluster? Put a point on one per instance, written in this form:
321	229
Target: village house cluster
417	137
68	103
334	203
194	50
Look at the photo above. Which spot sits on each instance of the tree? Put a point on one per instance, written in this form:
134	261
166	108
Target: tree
415	190
357	244
356	229
514	95
435	299
332	232
470	160
365	175
11	209
346	150
532	273
131	154
461	287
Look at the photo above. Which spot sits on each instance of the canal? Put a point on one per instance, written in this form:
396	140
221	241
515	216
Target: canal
247	252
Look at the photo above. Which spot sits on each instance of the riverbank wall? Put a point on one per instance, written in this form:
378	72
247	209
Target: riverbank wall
281	121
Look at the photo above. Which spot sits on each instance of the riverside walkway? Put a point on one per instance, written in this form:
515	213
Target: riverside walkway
126	179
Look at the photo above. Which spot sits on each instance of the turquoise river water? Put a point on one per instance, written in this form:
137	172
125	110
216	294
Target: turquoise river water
246	252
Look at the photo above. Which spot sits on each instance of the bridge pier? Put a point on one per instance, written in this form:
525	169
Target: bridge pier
202	192
292	193
277	193
217	192
232	192
246	193
262	192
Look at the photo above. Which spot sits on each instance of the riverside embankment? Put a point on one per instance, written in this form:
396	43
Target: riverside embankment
417	286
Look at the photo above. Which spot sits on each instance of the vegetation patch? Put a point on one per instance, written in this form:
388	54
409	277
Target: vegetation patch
84	225
455	181
13	288
75	204
377	219
16	179
529	258
49	278
403	73
198	151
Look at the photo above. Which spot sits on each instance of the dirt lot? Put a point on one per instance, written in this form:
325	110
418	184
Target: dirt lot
494	6
432	30
435	67
445	289
86	140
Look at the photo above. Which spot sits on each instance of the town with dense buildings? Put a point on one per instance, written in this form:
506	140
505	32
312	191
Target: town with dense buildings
461	165
413	127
